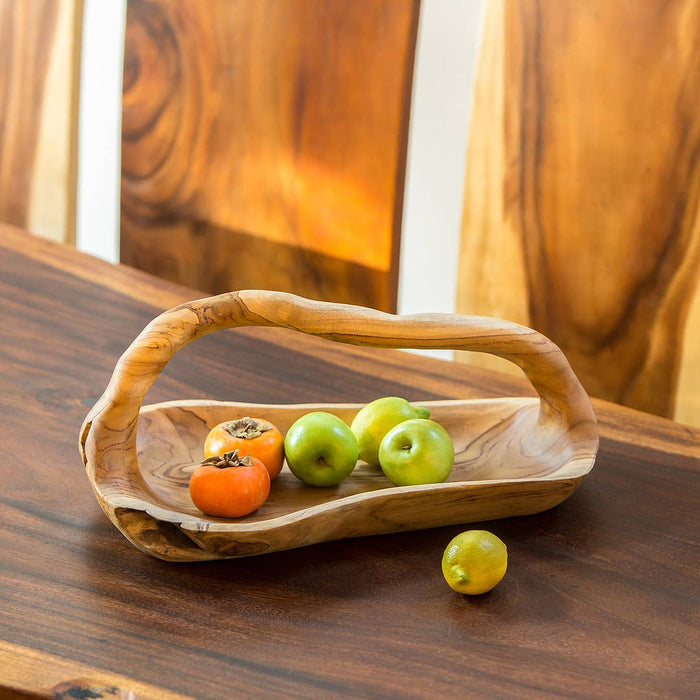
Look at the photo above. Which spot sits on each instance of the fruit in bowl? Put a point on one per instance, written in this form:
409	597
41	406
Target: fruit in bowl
417	451
373	421
255	437
229	485
321	449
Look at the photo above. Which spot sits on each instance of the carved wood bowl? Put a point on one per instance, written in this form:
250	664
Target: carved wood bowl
513	456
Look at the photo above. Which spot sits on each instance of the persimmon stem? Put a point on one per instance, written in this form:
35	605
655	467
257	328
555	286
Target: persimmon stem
246	428
229	459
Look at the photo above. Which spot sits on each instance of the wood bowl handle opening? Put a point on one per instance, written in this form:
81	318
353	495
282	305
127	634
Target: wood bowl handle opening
108	436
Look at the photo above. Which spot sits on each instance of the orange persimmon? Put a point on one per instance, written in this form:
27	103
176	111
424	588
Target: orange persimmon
230	485
250	436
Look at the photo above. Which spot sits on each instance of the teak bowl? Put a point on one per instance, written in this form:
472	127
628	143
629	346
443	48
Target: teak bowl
513	456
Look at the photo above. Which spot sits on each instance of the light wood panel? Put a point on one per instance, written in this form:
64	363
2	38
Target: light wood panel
264	144
581	215
25	673
39	76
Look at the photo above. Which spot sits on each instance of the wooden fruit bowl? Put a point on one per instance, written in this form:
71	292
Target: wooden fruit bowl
513	456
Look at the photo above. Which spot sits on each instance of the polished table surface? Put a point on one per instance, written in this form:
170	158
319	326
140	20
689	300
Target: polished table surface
600	598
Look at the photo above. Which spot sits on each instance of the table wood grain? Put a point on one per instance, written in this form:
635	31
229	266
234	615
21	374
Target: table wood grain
600	599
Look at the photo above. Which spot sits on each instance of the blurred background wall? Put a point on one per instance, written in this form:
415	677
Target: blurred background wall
514	158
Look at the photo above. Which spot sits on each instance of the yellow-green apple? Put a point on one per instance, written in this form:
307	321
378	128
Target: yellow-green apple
376	419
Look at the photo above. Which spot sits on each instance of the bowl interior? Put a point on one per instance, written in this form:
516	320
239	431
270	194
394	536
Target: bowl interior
494	439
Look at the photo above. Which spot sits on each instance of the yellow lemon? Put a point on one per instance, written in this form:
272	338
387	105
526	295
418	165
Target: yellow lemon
474	562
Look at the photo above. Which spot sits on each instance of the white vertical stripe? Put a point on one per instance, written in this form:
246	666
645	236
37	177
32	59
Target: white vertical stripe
99	128
443	80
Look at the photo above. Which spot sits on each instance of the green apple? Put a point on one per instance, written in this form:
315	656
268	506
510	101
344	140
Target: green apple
417	451
376	419
321	449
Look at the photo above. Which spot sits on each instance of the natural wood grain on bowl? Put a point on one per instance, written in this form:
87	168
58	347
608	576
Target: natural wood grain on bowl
514	456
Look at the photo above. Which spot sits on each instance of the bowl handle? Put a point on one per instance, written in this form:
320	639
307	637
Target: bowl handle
108	436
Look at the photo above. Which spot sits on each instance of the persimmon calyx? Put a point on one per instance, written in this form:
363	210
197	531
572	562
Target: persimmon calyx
229	459
246	428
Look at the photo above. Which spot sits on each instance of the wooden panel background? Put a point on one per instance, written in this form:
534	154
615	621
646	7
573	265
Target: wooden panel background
39	78
264	144
581	214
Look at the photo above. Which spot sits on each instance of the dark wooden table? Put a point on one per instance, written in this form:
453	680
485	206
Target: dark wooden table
600	598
